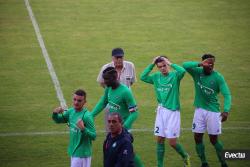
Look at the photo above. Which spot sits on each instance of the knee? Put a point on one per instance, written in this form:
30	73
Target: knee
172	143
160	140
198	138
213	141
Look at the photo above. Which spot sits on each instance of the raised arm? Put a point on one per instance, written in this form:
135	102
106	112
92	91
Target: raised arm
180	70
145	77
191	67
60	115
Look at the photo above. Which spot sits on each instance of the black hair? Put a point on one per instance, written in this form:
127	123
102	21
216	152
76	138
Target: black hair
206	56
117	51
116	114
80	92
109	70
160	59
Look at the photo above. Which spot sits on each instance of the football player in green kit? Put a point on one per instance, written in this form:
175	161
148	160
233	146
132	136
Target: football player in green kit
118	98
81	127
167	123
207	117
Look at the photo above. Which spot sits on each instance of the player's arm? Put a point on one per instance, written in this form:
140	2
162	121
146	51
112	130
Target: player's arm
87	126
192	67
125	155
145	77
132	107
180	70
101	104
225	91
59	115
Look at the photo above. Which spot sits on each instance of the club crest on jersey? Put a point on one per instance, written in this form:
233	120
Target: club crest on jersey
212	82
114	145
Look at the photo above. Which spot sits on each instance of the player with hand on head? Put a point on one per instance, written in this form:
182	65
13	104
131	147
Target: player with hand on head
81	128
208	84
167	124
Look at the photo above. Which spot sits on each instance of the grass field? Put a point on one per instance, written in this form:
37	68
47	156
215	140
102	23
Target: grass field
79	36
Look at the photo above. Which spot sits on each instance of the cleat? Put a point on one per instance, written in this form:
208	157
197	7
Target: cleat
187	161
224	165
204	165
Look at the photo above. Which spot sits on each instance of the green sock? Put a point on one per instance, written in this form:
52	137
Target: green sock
181	150
219	147
160	150
138	162
200	149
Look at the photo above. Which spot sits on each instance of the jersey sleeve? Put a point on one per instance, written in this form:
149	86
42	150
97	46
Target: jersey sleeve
101	104
180	70
225	91
89	129
132	107
191	67
61	118
145	77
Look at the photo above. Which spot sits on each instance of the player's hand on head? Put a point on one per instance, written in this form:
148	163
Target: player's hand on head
206	62
154	59
224	116
58	110
167	61
80	124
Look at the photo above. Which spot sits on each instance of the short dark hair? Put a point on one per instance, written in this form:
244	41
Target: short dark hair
118	52
109	70
116	114
80	92
206	56
160	59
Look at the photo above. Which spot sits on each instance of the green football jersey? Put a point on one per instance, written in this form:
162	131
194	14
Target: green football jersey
166	87
207	88
80	142
119	100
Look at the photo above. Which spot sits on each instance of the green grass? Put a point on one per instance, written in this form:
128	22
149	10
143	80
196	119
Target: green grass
79	36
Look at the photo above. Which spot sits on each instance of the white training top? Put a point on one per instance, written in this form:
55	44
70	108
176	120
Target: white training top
127	75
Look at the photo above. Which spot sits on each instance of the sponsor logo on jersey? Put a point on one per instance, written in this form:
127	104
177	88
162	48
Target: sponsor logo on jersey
114	106
165	88
206	90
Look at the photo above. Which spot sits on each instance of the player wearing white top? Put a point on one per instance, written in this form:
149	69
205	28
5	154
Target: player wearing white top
125	69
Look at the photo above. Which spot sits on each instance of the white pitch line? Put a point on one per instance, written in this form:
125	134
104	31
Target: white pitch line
46	57
53	133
